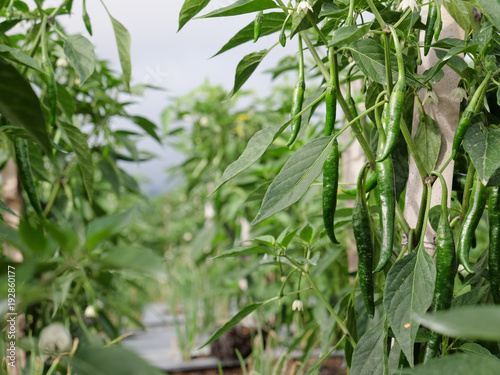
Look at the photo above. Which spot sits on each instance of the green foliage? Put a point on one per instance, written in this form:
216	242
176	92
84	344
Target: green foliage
355	38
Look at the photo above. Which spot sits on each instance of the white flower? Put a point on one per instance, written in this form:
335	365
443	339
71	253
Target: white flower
458	93
408	4
55	339
243	284
62	62
297	305
90	312
430	97
291	12
304	7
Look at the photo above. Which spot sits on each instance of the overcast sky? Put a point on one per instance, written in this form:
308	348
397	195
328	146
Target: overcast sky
178	62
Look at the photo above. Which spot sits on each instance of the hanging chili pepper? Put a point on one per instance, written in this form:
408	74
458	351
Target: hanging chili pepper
471	220
298	97
468	114
494	236
395	106
257	25
429	28
445	269
331	166
387	205
364	246
330	187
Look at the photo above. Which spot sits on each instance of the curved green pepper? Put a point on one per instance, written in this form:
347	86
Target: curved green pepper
494	236
445	269
468	114
364	246
387	198
330	187
472	218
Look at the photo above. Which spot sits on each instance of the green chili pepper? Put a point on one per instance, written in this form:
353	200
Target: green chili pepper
298	97
471	220
282	37
331	110
494	234
257	25
445	269
363	237
429	28
468	114
395	106
24	166
387	204
439	22
370	184
330	186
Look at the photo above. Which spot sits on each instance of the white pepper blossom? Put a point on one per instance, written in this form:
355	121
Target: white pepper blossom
408	4
55	339
430	97
458	93
304	7
297	305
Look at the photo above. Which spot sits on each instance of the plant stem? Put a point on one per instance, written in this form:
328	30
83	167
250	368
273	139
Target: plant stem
315	56
377	15
318	30
469	180
347	113
388	69
407	13
402	220
413	149
331	311
323	299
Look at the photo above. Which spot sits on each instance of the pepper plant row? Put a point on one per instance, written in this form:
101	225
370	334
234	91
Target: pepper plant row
379	44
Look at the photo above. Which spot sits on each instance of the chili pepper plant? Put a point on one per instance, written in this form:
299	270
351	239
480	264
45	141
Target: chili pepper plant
425	287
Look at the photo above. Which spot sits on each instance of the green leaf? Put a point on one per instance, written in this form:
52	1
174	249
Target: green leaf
272	23
26	174
78	142
332	10
247	310
148	126
190	8
244	250
347	34
106	226
370	58
256	147
430	73
245	68
20	105
123	42
457	364
241	7
295	178
6	208
65	101
471	322
135	259
368	356
470	298
428	142
491	9
114	360
80	53
17	56
408	291
474	348
462	14
483	146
